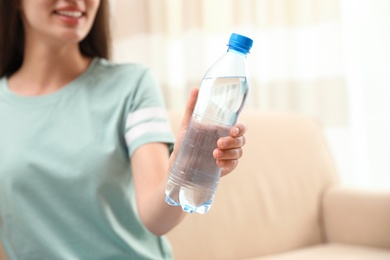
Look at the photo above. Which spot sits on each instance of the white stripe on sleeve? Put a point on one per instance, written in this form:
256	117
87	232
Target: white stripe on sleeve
146	128
144	115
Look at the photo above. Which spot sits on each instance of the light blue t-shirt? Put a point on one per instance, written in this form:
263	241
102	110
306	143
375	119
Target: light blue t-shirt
66	186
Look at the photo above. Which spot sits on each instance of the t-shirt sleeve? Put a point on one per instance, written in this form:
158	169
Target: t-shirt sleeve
146	119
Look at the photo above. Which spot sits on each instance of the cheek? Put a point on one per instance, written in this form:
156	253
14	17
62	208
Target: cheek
93	6
32	17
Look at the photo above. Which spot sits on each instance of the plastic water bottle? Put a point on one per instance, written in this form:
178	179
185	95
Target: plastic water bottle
194	177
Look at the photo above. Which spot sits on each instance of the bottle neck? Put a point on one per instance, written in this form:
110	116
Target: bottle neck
233	51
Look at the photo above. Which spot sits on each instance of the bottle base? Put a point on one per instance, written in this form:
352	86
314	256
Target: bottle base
202	209
170	201
191	197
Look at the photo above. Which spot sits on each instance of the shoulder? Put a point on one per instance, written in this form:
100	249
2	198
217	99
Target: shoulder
131	83
126	79
106	68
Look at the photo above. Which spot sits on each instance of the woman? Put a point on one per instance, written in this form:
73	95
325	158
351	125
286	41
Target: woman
84	154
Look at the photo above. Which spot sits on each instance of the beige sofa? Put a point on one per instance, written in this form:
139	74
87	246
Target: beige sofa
284	202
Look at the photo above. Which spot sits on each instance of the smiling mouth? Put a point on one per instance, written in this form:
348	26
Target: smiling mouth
71	14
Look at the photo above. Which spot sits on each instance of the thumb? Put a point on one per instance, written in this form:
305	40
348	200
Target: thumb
189	109
185	122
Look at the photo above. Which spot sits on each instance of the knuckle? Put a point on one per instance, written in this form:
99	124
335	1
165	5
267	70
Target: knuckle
237	141
239	153
243	127
243	140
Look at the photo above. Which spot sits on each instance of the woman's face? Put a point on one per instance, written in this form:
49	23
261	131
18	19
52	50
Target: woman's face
67	21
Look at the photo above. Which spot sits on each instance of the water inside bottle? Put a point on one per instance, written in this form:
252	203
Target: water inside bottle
195	174
221	100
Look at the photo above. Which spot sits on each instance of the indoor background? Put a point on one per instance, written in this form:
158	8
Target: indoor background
329	59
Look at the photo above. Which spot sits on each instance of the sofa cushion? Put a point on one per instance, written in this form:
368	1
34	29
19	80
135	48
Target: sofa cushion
271	202
333	252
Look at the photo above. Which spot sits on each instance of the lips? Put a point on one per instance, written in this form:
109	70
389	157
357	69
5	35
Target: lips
68	13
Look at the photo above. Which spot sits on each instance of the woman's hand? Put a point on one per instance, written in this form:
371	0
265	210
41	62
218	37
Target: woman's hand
230	148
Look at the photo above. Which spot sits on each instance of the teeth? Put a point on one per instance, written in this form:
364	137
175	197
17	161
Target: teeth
73	14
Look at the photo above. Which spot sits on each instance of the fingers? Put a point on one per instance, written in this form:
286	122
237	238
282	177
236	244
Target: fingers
225	143
236	138
227	160
238	130
229	154
227	166
230	148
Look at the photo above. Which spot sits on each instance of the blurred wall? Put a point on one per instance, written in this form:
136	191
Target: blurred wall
323	58
366	52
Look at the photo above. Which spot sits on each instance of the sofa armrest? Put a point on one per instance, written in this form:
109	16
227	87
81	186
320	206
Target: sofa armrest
356	216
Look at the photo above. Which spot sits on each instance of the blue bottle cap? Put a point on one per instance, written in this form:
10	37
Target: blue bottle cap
240	43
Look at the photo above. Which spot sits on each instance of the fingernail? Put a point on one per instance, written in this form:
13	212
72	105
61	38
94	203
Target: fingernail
236	131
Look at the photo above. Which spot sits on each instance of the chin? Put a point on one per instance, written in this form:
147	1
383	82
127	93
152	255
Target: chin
72	37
